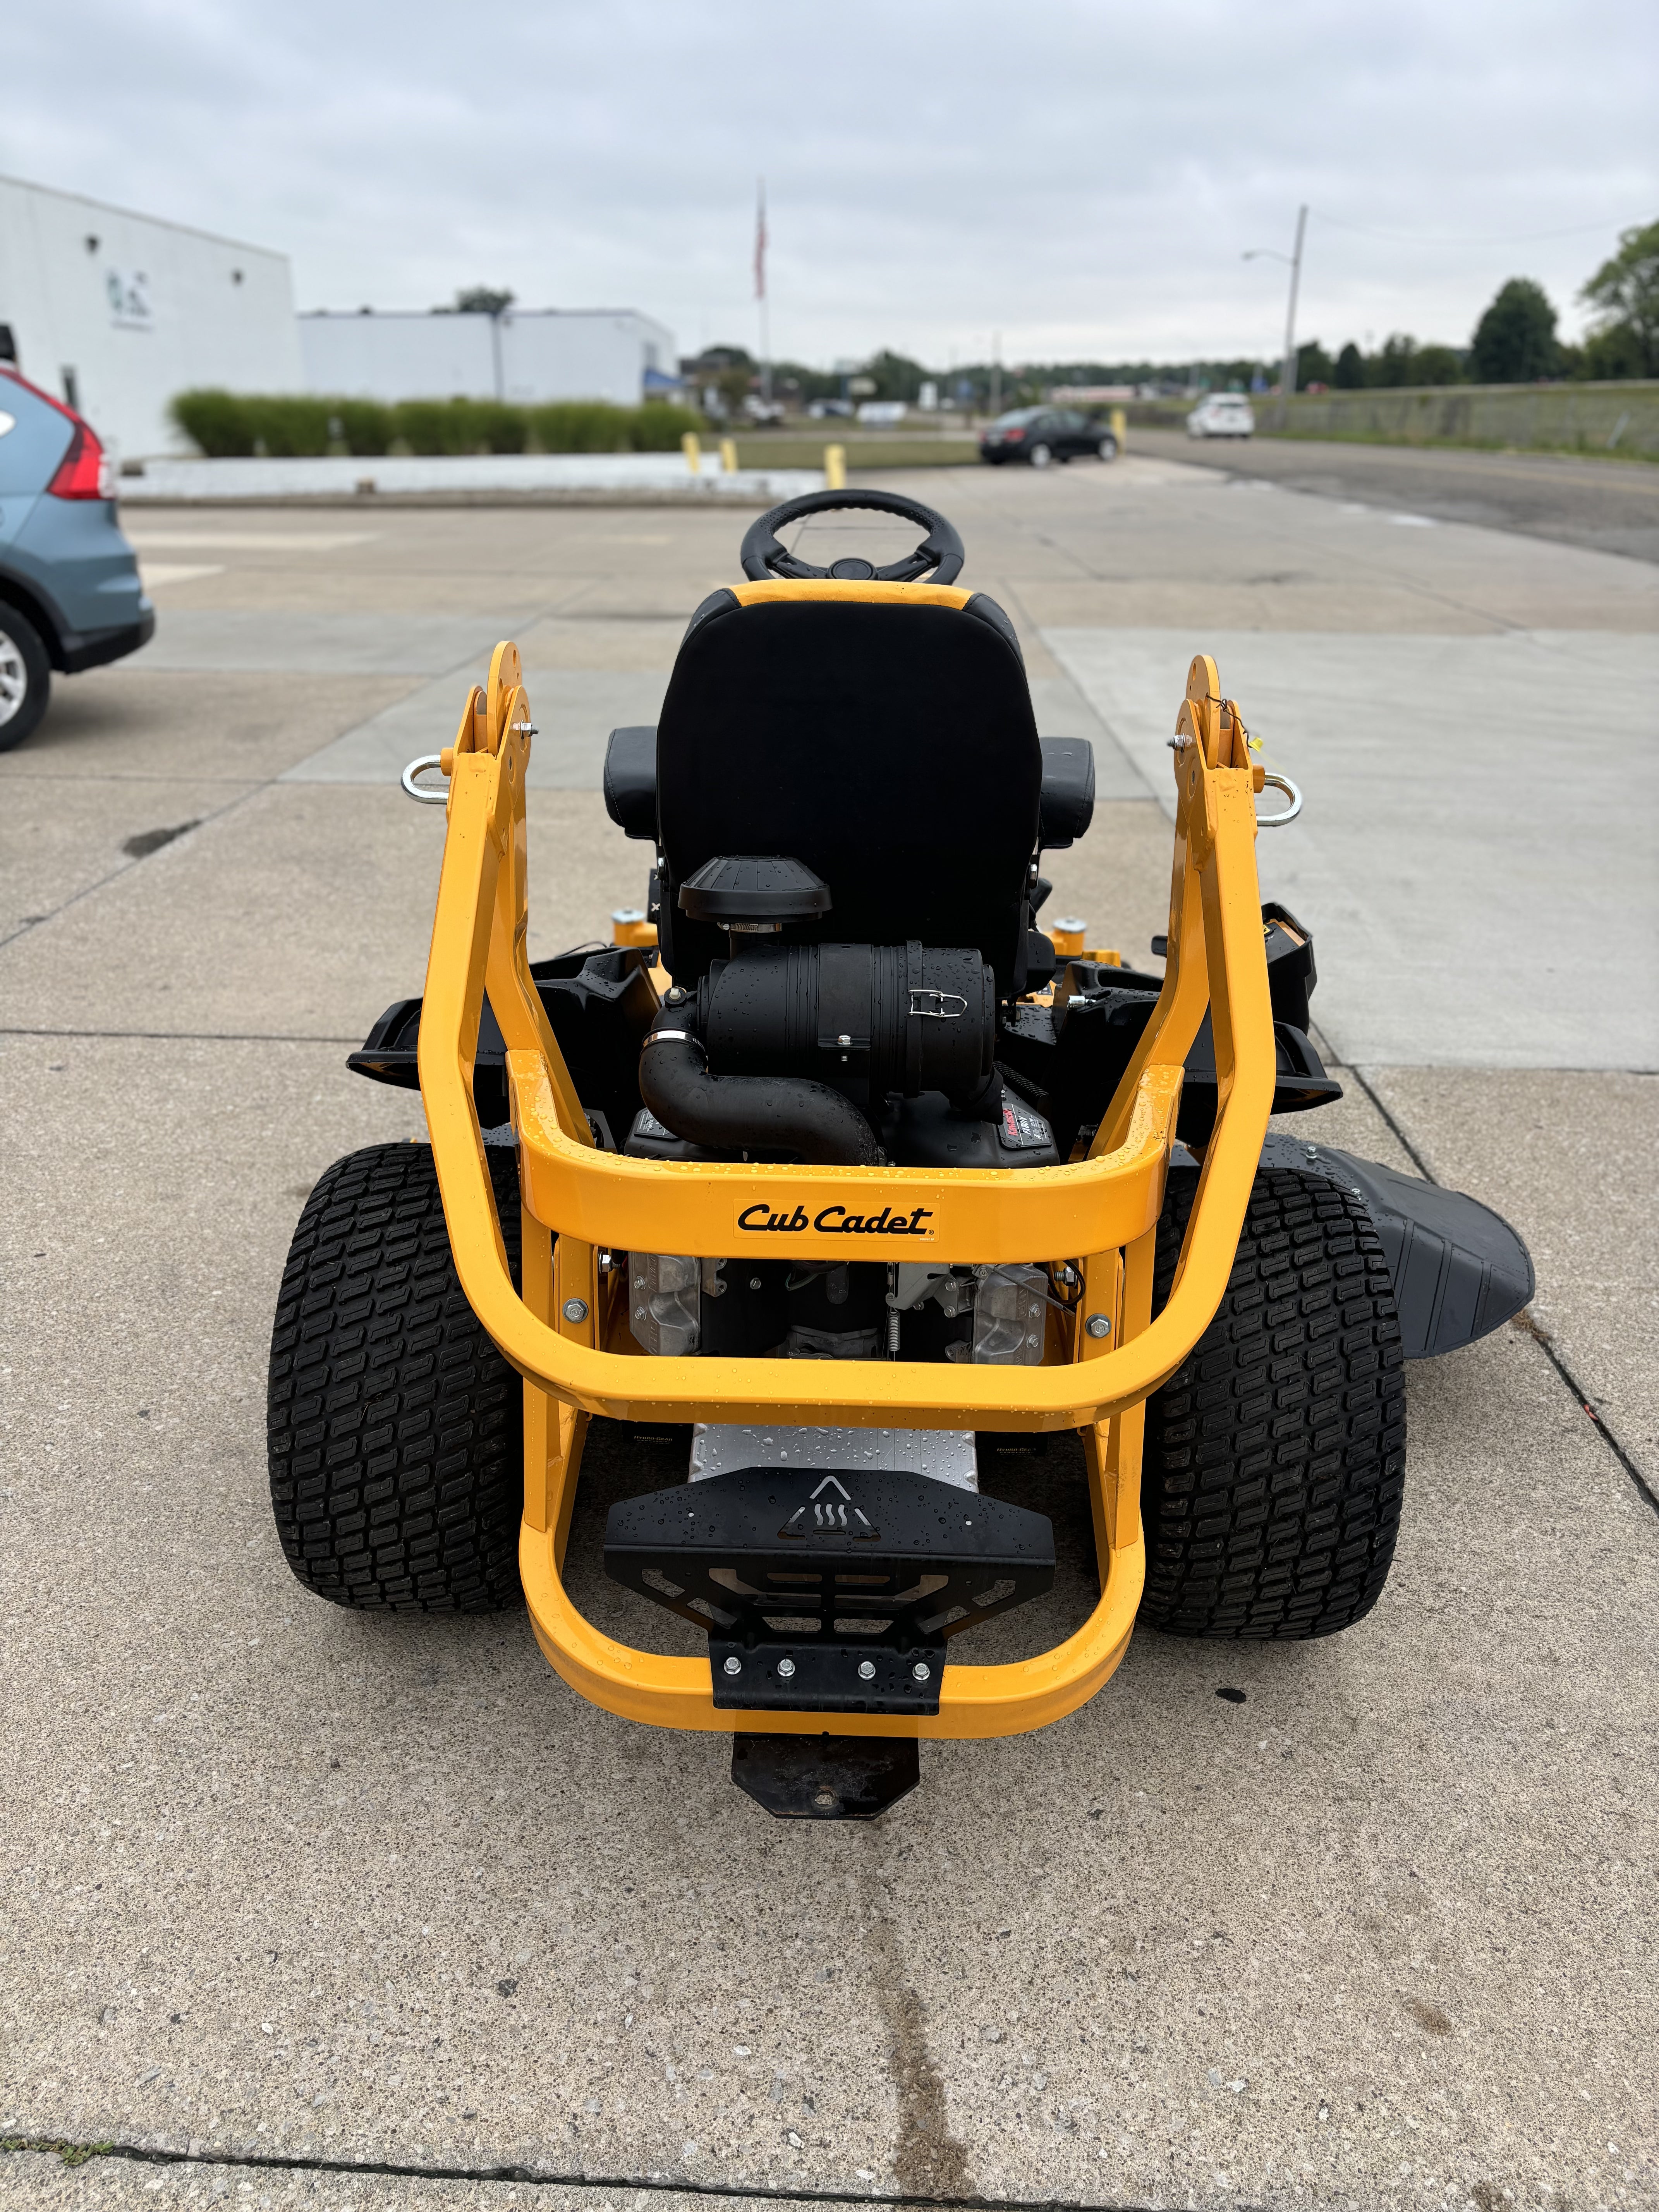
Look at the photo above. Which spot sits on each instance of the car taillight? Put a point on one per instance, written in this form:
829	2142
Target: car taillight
1013	437
84	470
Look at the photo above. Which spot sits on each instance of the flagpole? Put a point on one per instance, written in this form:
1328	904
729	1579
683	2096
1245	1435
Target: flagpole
760	293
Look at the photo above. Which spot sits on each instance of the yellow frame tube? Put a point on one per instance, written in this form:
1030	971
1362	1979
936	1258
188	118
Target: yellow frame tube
1100	1211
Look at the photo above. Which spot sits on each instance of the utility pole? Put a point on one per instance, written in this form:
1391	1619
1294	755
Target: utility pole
996	373
1288	365
1287	374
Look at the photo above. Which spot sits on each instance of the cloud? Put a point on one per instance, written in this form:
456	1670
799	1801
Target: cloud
1084	179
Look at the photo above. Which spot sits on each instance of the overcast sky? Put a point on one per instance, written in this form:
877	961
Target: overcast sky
1082	178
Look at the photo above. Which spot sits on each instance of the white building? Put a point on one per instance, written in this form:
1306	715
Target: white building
598	353
116	313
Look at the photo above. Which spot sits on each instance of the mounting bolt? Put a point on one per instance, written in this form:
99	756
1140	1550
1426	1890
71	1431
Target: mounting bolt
677	997
785	1670
756	1283
866	1670
1098	1325
575	1310
734	1665
921	1671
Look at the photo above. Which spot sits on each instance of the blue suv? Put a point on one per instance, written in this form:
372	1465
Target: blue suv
70	591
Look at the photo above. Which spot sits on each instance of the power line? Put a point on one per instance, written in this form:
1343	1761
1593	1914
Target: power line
1451	238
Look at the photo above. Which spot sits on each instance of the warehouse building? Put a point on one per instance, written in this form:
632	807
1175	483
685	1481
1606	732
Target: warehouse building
116	313
599	353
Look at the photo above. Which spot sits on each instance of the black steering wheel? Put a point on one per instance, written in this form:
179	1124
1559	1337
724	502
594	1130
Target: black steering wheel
940	549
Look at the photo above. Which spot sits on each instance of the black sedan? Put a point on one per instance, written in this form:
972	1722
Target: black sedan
1042	434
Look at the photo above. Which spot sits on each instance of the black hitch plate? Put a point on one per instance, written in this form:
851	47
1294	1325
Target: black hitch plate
828	1591
825	1778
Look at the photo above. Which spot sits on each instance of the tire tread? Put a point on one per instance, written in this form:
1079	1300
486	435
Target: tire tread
1274	1461
394	1427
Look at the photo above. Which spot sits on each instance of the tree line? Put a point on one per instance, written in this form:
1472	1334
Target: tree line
1515	341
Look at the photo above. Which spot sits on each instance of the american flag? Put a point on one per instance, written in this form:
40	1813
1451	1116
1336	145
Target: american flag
760	241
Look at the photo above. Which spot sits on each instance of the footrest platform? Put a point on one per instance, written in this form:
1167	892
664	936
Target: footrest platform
829	1590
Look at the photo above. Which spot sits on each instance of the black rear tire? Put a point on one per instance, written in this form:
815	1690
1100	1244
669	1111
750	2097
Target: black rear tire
25	678
395	1428
1275	1465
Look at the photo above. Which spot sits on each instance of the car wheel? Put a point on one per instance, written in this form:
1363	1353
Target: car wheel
1040	455
25	678
1107	449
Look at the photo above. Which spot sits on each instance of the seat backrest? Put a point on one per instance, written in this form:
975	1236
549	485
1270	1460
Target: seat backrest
883	734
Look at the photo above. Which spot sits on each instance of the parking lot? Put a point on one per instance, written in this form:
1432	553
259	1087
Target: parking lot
328	1908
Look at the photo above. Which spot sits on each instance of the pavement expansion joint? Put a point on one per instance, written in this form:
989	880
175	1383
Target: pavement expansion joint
185	1036
136	860
1524	1322
1400	1137
1528	1326
75	2154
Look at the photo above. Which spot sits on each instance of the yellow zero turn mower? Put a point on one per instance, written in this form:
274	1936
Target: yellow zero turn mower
835	1168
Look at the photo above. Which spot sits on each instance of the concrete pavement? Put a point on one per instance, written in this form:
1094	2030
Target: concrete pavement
287	1882
1441	776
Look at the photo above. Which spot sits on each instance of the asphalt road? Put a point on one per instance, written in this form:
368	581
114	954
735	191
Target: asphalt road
305	1908
1610	505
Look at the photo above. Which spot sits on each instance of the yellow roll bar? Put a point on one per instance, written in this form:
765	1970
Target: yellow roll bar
566	1332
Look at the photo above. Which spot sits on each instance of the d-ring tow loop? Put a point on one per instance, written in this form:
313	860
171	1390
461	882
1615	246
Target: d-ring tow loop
1262	821
424	792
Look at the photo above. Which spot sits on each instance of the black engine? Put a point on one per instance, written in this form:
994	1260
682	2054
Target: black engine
826	1053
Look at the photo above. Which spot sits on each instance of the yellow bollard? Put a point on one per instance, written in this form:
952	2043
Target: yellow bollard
835	468
1120	422
630	927
691	447
729	456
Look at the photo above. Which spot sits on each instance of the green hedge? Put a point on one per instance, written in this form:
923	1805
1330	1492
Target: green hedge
282	424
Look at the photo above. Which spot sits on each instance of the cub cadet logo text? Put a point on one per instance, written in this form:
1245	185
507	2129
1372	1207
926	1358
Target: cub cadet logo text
835	1221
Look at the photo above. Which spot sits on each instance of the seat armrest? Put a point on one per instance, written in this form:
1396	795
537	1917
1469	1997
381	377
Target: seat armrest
630	781
1068	792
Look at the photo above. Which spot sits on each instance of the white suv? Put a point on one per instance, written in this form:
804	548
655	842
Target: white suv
1221	415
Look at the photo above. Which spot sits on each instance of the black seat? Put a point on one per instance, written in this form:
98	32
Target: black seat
888	744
